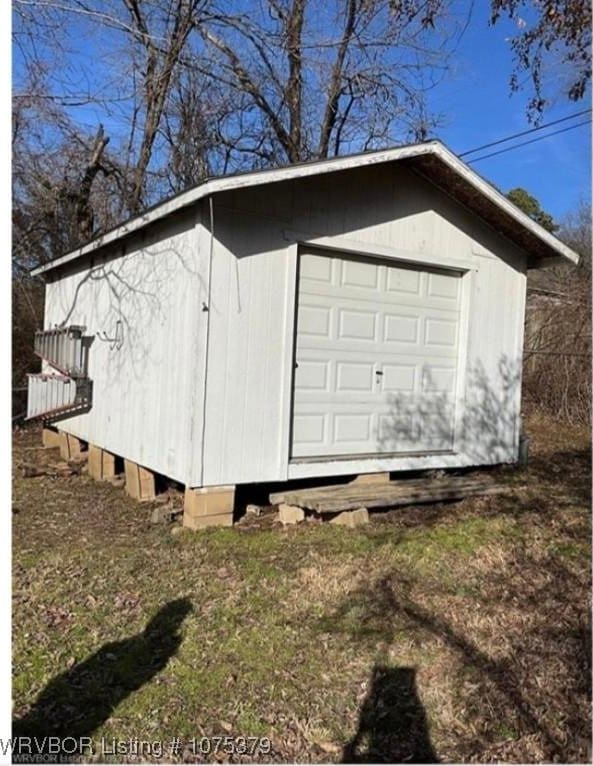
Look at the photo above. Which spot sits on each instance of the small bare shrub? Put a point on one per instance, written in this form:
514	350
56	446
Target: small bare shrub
557	366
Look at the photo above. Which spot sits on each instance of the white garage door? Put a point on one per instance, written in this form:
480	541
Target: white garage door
377	350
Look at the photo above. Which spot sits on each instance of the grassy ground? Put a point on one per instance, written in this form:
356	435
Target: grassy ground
454	632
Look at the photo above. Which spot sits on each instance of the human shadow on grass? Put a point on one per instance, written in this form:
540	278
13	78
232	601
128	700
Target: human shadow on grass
77	702
501	692
392	726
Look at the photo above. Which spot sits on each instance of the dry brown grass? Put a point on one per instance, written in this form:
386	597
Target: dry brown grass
458	632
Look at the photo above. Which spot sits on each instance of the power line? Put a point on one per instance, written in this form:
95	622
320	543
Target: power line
525	132
532	141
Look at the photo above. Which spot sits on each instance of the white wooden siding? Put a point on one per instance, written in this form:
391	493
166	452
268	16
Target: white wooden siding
225	419
387	211
142	389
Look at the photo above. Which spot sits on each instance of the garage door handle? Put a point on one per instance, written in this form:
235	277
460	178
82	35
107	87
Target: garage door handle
379	372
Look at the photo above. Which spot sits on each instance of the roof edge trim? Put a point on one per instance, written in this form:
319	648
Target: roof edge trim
488	190
256	178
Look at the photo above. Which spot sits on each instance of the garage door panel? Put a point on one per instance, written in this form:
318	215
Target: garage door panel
438	379
400	378
424	406
313	375
398	432
376	357
443	286
406	281
317	268
415	432
441	332
435	431
389	352
351	427
319	434
354	376
317	351
310	429
401	328
357	372
380	298
408	404
360	274
329	400
357	324
315	320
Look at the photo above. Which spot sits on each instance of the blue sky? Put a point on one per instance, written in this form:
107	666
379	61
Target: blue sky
479	108
474	101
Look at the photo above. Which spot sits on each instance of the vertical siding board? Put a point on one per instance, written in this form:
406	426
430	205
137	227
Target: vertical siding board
268	432
261	347
284	430
251	347
218	366
240	333
230	372
254	368
198	349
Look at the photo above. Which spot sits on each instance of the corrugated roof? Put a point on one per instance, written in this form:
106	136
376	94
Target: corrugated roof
431	159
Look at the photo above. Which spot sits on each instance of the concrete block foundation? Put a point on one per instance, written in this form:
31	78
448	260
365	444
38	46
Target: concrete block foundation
208	507
101	464
70	446
50	437
139	481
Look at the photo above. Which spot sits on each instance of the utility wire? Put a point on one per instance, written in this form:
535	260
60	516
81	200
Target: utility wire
525	132
532	141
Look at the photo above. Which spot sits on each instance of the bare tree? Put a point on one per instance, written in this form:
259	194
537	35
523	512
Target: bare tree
189	88
162	34
557	377
554	40
320	79
145	40
189	130
192	87
64	183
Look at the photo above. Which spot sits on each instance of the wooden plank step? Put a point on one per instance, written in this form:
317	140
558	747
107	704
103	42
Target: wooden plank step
362	489
394	494
405	486
334	506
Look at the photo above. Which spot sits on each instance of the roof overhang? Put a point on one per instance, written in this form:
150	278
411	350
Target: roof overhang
432	160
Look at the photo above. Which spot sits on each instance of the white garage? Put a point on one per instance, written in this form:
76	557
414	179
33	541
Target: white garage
356	315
